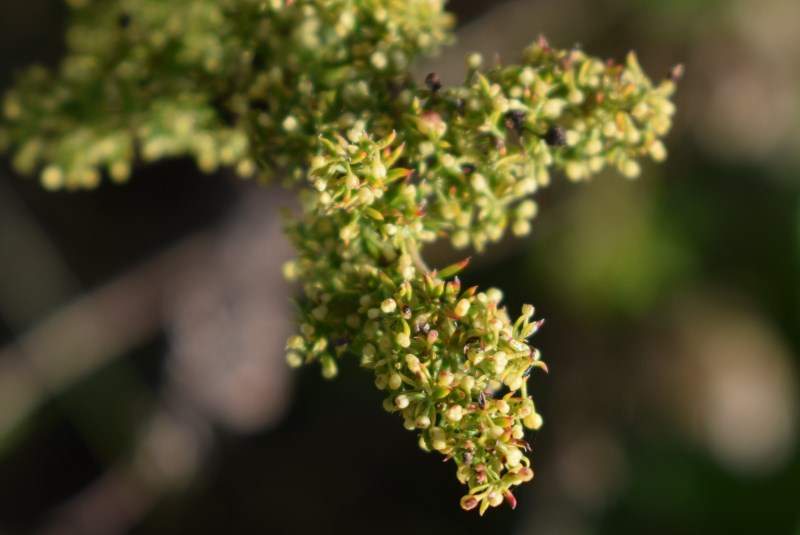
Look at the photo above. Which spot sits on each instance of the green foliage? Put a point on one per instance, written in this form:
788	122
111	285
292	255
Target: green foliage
320	90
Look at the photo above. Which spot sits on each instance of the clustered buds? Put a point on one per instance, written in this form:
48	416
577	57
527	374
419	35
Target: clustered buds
321	90
486	146
451	361
459	162
243	84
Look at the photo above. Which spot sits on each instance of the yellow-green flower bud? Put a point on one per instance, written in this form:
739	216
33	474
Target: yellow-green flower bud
294	359
467	383
474	61
462	308
388	306
52	177
494	498
395	380
401	401
381	381
403	340
445	378
423	422
413	364
438	438
455	413
533	421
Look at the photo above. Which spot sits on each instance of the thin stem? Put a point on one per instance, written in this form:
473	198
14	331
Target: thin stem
412	249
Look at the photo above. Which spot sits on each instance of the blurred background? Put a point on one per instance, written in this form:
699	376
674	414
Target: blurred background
142	381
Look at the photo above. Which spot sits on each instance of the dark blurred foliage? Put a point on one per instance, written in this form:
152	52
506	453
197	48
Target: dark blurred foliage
672	335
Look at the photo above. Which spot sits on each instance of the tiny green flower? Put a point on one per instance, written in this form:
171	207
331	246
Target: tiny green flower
395	381
403	340
455	413
462	308
401	401
388	306
422	422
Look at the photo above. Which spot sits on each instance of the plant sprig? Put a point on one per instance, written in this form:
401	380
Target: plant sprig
320	91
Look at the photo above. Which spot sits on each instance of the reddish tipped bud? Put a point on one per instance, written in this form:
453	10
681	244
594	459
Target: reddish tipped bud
512	501
525	474
469	502
453	269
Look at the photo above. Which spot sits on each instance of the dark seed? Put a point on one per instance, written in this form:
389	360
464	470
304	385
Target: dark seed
259	105
424	329
433	81
124	20
555	137
225	113
516	119
343	341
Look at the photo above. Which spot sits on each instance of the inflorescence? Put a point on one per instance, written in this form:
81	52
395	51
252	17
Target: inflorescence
319	90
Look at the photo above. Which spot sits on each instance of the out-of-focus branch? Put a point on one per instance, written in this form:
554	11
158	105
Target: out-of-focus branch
88	332
221	300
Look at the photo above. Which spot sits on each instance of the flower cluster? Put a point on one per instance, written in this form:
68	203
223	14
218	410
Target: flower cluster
450	359
237	83
486	146
319	90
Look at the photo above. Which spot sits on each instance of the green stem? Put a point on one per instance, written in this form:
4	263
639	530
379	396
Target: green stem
412	249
